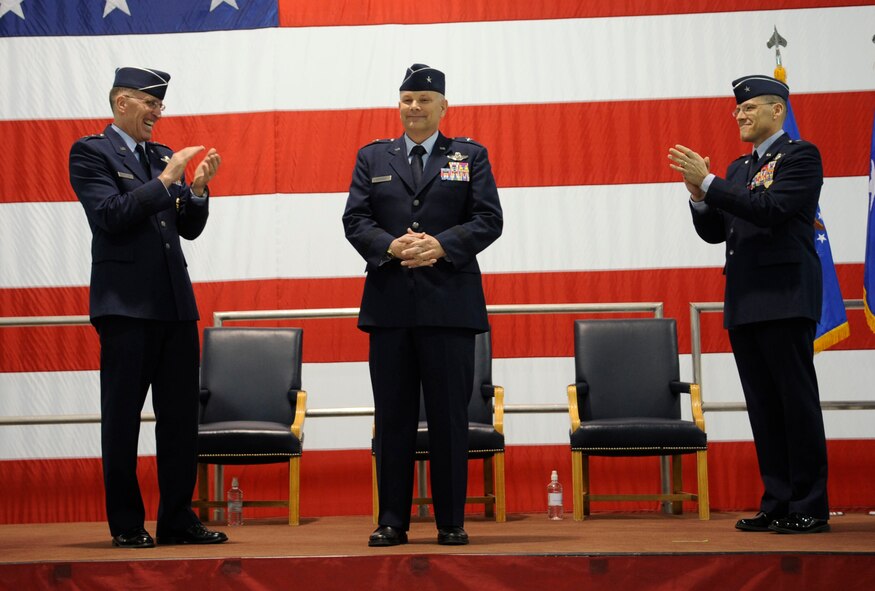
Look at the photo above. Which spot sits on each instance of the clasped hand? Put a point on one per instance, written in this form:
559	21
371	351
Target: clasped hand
417	249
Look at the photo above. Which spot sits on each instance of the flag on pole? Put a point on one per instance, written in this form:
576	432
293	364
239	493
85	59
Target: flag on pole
833	326
869	264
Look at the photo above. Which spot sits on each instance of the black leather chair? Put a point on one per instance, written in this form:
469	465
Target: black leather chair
485	436
626	402
252	407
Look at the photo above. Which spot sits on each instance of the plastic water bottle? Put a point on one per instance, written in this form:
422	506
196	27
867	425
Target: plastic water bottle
235	503
554	498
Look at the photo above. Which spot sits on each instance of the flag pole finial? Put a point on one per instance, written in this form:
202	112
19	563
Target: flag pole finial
778	42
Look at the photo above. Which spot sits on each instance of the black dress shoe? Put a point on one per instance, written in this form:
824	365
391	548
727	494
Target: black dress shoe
386	535
195	534
761	522
452	536
799	523
135	538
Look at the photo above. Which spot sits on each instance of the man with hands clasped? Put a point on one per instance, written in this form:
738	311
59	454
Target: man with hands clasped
764	210
420	208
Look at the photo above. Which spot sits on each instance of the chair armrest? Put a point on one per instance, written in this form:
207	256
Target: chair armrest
573	413
300	413
679	387
498	408
695	392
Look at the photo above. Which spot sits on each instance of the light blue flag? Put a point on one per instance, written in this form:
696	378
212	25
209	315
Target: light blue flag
833	326
869	265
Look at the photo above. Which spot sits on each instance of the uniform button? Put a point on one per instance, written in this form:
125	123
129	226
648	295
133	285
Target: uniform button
731	252
163	224
415	202
167	246
415	225
732	230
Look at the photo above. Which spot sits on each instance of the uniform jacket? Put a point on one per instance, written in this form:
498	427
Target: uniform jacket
765	212
457	204
137	265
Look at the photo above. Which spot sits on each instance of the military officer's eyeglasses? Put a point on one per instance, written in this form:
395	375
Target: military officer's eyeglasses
152	104
749	109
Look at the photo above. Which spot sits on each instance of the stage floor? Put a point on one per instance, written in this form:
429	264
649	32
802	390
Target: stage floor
602	534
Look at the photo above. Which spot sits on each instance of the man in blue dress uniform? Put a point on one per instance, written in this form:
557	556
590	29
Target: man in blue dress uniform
142	305
420	208
764	210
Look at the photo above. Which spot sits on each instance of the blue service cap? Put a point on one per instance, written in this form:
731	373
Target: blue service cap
146	80
747	87
422	77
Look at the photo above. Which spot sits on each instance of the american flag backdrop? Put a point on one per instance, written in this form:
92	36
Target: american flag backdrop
577	101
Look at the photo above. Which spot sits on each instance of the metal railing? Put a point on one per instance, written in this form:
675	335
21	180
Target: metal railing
219	318
696	310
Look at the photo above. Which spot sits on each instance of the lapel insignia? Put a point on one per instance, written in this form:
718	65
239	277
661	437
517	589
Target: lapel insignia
457	157
165	159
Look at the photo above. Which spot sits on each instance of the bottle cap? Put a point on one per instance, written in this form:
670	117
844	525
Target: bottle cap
554	475
234	483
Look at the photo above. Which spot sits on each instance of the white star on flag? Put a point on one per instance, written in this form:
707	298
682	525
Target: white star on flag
216	3
13	6
113	4
821	238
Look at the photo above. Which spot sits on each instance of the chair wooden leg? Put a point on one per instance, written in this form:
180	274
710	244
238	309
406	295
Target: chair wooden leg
702	492
500	507
677	484
488	487
203	488
584	471
295	490
577	487
375	497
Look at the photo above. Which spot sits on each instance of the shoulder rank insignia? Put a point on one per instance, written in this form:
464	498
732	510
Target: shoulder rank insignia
457	157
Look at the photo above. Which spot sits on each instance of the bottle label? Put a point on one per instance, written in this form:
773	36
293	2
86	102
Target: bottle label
237	506
554	499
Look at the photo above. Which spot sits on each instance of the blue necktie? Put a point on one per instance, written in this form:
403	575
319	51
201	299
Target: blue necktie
416	164
144	160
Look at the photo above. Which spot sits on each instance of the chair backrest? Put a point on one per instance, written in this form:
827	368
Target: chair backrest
480	407
628	365
249	373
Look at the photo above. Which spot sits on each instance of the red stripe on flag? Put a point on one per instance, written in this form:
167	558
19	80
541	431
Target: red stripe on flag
338	482
554	144
305	13
332	340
